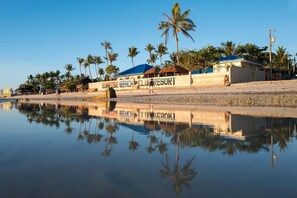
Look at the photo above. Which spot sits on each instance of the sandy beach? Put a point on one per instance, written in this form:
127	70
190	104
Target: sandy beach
264	93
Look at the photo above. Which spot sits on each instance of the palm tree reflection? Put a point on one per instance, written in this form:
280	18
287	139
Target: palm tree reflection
178	175
133	145
153	140
162	146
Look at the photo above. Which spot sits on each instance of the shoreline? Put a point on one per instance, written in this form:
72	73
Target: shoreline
253	94
284	112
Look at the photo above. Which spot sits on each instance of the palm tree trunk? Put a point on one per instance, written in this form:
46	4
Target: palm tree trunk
90	72
160	60
96	71
132	61
177	52
80	69
106	57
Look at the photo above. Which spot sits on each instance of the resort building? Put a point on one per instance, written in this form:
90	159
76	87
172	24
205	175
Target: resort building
240	69
233	68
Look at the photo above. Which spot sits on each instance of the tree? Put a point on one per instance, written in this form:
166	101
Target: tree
228	48
101	72
97	60
173	59
80	62
281	59
199	59
149	47
112	57
107	46
253	52
178	23
86	64
69	68
90	60
132	53
153	58
161	50
111	70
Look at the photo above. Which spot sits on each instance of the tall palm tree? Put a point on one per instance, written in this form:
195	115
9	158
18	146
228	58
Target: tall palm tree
90	60
80	62
69	68
149	47
178	23
161	50
112	57
97	60
107	46
132	53
228	48
86	64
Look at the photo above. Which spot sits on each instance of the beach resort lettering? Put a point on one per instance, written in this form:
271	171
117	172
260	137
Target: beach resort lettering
124	115
164	116
159	82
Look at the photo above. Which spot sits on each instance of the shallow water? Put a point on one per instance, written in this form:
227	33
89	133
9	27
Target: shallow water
108	150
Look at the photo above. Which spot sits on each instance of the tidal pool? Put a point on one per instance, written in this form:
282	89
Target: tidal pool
112	150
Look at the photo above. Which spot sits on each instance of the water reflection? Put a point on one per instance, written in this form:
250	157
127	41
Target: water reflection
166	129
178	175
209	130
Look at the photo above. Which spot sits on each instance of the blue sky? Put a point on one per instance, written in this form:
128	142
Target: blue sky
44	35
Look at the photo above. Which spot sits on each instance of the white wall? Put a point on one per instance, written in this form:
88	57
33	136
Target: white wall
239	74
209	79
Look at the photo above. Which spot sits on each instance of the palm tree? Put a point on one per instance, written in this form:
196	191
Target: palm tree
111	69
149	47
90	60
101	72
97	60
153	58
80	61
107	46
161	50
86	64
281	58
173	59
228	48
112	57
132	53
69	68
178	23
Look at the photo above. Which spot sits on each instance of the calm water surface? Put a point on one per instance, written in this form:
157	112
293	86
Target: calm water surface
119	151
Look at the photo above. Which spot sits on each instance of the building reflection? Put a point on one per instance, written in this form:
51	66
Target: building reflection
214	130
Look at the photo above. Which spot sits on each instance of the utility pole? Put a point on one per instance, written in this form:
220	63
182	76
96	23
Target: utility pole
294	65
271	40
